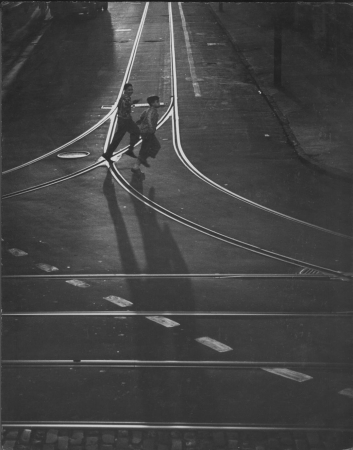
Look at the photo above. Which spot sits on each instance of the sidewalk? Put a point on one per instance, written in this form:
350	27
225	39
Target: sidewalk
96	439
315	103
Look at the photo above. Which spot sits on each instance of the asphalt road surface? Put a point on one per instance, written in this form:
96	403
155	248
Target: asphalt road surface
232	260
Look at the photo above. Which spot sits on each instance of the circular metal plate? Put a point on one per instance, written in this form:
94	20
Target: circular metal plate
72	155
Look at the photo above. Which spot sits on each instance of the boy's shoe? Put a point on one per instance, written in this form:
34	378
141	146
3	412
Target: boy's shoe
130	153
144	162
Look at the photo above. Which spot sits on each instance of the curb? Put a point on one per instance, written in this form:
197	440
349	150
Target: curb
291	138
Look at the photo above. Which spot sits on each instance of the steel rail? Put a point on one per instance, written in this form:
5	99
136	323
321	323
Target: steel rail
208	314
77	424
183	158
111	112
165	364
87	169
171	275
236	242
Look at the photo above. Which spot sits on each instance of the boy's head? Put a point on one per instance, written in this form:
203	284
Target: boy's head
153	101
128	89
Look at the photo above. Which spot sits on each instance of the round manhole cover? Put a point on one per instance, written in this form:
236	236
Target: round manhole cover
72	155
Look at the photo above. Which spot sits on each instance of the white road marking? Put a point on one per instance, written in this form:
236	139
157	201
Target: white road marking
215	345
17	252
78	283
287	373
348	392
145	105
195	84
215	43
118	301
46	267
163	321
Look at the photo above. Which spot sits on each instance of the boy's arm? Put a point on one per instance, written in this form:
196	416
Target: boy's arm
152	119
139	121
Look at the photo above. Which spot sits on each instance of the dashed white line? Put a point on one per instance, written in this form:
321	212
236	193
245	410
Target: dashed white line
287	373
46	267
78	283
348	392
17	252
215	345
118	301
163	321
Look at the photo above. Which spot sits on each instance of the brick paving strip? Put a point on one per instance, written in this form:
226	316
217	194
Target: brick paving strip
110	439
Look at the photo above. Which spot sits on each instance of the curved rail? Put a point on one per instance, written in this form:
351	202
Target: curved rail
180	153
87	169
236	242
111	112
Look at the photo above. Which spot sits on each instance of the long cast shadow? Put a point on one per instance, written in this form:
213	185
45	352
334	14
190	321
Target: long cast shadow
166	395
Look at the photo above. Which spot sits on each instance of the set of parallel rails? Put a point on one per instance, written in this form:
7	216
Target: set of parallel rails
172	113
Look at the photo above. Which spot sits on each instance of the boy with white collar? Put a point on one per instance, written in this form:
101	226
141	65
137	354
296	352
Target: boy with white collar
148	124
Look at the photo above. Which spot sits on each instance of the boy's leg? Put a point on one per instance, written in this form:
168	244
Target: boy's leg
155	146
145	149
119	134
134	131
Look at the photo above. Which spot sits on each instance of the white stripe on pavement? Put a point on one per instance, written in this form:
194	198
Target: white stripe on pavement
118	301
287	373
78	283
348	392
195	84
17	252
46	267
163	321
215	345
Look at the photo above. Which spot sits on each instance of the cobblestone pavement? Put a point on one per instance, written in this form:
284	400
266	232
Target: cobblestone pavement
94	439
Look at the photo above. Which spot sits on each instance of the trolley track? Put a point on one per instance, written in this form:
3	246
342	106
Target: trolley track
165	364
172	112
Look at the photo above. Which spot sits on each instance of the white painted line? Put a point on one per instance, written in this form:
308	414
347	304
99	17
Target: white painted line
215	43
78	283
138	105
195	84
215	345
144	105
163	321
287	373
348	392
17	252
46	267
307	271
118	301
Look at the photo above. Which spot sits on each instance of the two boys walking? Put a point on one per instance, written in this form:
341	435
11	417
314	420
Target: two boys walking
147	128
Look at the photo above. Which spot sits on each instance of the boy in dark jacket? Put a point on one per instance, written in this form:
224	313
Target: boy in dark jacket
148	124
125	124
